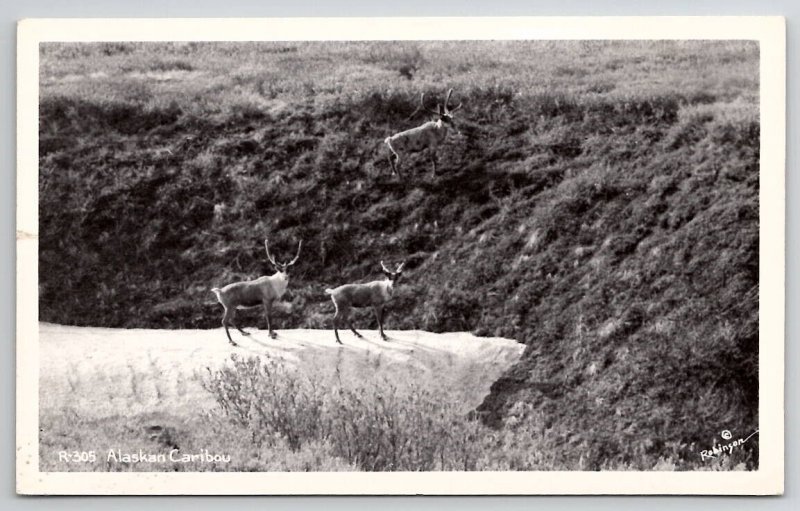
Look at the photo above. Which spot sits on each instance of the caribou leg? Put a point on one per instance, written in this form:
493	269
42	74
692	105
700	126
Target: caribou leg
336	323
379	314
225	318
233	315
352	329
394	159
268	313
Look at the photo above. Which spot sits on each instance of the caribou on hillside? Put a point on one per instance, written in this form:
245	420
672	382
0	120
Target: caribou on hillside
262	291
426	136
375	294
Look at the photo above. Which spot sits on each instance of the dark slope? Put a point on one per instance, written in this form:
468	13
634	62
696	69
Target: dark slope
618	239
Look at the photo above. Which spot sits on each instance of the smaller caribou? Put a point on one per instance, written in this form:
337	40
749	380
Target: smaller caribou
252	293
426	136
374	294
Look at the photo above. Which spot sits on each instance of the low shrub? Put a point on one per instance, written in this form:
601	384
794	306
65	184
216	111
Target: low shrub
376	428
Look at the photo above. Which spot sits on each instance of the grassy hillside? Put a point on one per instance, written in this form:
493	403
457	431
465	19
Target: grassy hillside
600	205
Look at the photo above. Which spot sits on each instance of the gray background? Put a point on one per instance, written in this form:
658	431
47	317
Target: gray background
12	11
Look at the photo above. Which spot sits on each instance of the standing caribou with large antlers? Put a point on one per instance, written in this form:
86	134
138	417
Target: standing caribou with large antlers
427	136
372	294
252	293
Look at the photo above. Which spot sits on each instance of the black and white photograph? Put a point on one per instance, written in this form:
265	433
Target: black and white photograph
435	255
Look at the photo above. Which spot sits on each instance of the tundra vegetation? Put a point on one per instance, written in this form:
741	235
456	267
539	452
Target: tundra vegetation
600	205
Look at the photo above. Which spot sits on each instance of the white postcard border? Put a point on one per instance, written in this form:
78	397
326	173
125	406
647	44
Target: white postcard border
768	479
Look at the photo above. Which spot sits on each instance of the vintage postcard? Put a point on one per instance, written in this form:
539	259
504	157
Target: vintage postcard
401	256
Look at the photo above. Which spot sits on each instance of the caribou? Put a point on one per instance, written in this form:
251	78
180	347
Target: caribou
374	294
252	293
426	136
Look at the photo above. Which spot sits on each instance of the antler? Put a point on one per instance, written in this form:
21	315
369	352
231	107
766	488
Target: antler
269	256
447	102
422	102
398	270
438	110
299	244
